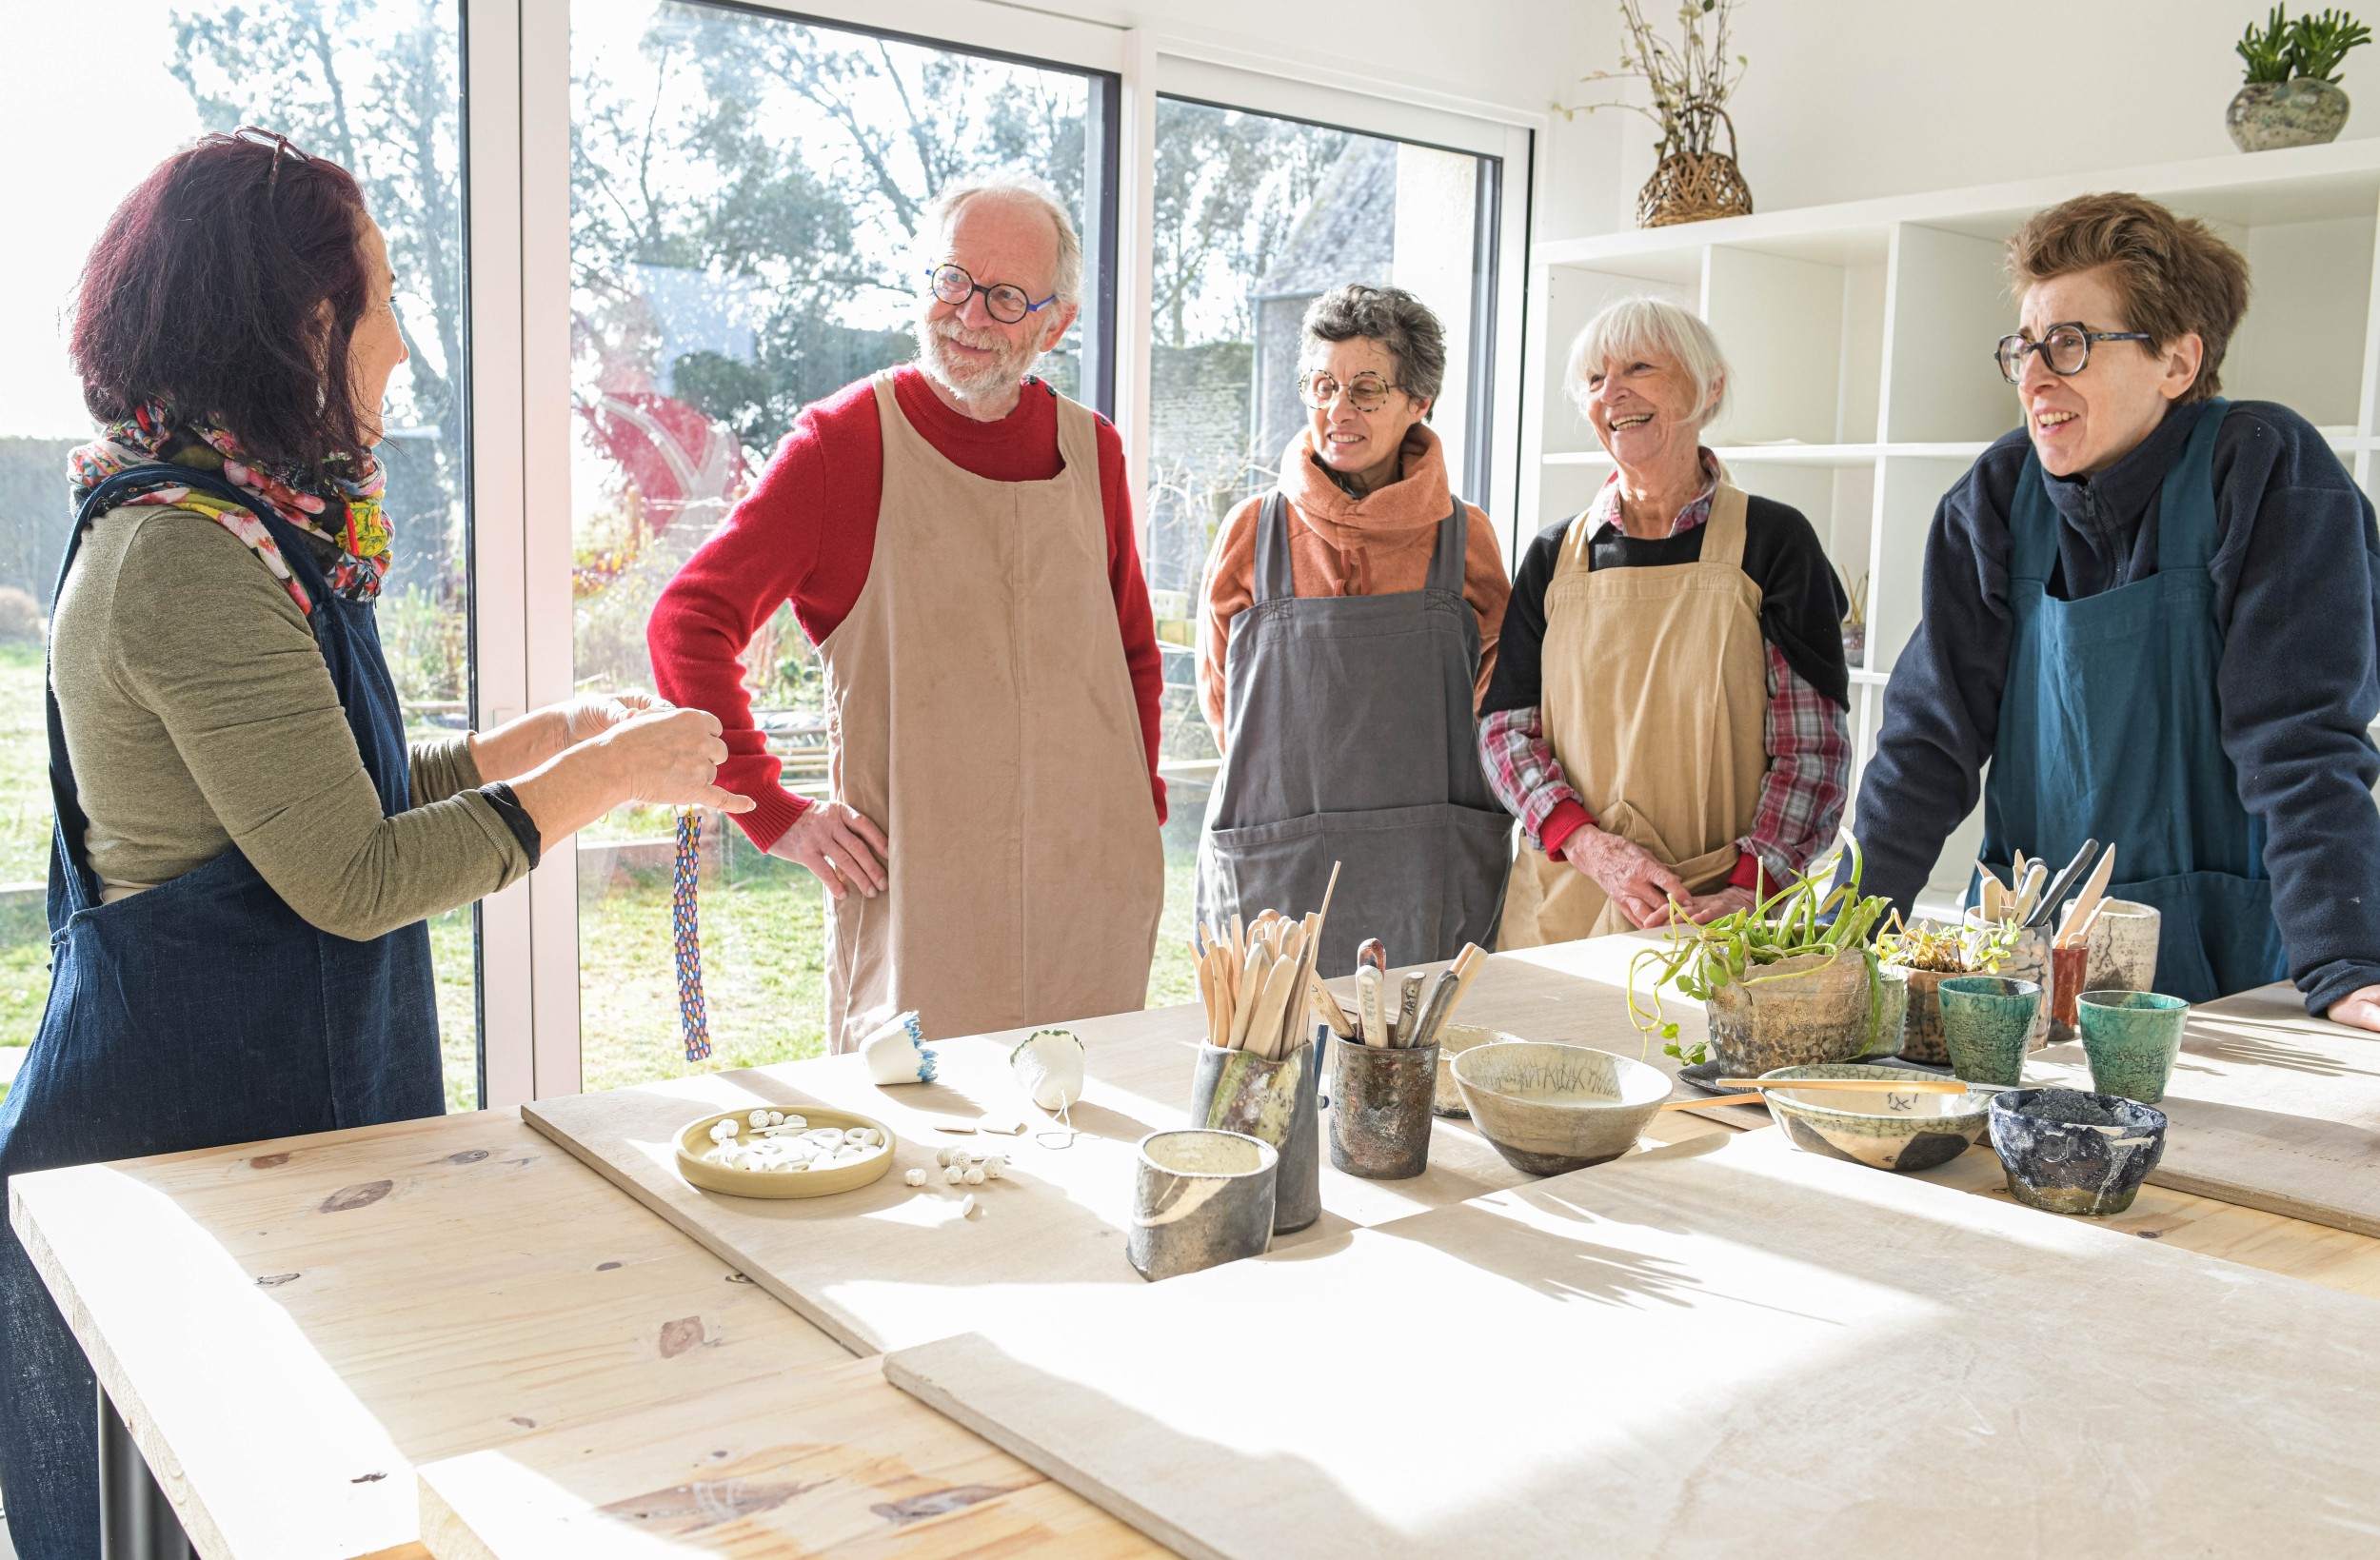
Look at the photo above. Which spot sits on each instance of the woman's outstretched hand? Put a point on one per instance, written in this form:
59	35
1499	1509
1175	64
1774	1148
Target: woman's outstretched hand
1632	876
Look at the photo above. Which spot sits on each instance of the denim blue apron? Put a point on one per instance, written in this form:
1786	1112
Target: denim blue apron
202	1012
2110	729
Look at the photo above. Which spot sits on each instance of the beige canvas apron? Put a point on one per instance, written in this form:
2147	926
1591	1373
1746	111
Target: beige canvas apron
981	712
1656	701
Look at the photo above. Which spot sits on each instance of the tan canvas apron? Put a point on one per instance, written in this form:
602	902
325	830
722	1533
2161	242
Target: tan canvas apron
1656	701
981	712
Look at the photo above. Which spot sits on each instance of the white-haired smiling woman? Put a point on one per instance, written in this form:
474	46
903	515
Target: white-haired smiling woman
1667	716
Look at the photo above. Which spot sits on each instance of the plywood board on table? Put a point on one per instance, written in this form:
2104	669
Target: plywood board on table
2269	1108
832	1463
1724	1347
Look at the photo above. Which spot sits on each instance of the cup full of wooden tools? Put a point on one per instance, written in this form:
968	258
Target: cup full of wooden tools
1383	1071
1257	1071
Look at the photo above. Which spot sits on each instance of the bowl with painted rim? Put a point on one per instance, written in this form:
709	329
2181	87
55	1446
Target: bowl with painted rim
1885	1128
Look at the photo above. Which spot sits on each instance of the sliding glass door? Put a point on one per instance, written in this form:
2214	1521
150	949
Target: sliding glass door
747	200
373	84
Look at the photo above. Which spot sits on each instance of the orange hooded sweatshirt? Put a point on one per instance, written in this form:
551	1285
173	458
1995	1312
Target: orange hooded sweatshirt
1342	545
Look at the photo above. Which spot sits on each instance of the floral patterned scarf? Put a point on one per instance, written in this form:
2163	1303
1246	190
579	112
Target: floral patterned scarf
343	509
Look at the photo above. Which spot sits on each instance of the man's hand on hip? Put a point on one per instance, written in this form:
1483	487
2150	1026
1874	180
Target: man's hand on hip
842	848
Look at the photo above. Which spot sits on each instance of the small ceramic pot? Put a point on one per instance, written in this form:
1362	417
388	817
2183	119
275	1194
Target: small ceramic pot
1888	1130
2303	112
1985	1019
2131	1039
1199	1198
1234	1091
1798	1012
2123	947
1380	1110
2066	984
2069	1152
2027	960
1921	1032
1892	1014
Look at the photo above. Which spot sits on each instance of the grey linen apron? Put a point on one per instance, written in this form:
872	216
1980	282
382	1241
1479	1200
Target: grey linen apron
1351	737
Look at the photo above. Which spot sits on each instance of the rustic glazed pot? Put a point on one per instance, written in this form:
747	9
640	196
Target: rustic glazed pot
2070	1151
1921	1034
1885	1130
1199	1198
2123	945
1552	1107
1380	1110
1235	1090
2027	960
1798	1012
2131	1039
2269	114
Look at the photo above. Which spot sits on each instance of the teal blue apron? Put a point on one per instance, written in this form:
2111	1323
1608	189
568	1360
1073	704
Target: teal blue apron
2110	729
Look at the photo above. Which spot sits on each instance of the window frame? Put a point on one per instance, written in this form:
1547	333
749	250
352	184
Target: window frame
516	137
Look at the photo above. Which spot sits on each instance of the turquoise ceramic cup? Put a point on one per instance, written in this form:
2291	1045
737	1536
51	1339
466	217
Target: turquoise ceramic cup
1987	1022
2131	1039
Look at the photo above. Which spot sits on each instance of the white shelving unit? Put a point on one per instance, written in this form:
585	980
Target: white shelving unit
1861	339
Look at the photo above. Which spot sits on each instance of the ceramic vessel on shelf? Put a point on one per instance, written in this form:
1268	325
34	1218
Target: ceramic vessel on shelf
1552	1107
1886	1130
1984	1022
2070	1151
1798	1012
2304	112
1199	1198
2131	1039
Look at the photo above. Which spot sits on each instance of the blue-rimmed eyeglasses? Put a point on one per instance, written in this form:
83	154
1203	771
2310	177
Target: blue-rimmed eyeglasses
2065	348
1002	301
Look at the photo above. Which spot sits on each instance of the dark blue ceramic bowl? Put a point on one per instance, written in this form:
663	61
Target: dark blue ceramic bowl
2076	1153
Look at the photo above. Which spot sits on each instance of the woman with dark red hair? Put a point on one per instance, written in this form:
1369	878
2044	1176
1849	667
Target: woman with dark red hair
245	849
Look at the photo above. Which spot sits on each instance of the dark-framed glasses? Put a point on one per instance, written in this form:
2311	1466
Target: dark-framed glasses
1318	387
256	135
1002	301
2066	348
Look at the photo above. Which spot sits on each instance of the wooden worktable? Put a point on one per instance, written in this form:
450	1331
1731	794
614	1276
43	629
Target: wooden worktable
332	1345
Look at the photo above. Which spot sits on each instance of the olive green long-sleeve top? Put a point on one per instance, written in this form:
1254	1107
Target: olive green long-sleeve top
199	714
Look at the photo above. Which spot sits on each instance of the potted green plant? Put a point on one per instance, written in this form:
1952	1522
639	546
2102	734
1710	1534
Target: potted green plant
1928	955
1789	981
2291	97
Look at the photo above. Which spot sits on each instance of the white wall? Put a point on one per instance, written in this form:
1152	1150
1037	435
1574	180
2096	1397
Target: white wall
1847	99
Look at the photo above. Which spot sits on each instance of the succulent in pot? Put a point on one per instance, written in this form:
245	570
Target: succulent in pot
1932	955
2291	96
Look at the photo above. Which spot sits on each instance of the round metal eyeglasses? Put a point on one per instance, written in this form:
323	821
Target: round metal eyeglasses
2066	348
1003	301
1369	392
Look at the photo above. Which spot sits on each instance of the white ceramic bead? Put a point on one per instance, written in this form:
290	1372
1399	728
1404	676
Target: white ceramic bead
954	1174
914	1178
996	1167
975	1178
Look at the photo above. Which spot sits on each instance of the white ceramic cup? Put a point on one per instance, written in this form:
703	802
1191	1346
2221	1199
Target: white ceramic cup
2123	947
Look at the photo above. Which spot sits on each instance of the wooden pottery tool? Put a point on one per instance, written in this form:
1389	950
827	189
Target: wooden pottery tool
2088	903
1368	1012
1722	1099
1433	1011
1374	952
1877	1086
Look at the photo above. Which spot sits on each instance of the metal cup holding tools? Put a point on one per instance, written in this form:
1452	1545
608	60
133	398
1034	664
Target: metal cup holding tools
1380	1099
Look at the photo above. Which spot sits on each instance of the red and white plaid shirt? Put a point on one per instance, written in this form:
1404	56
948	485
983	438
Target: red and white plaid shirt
1808	738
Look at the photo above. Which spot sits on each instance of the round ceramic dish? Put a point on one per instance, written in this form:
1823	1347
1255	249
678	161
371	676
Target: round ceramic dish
1552	1107
1886	1130
1452	1041
695	1138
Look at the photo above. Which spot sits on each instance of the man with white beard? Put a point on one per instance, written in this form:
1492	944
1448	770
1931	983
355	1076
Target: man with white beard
957	540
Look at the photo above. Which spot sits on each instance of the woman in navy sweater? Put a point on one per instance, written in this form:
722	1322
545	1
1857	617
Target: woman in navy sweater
2157	614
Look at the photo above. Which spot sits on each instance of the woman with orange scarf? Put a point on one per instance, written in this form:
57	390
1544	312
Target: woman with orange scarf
1349	628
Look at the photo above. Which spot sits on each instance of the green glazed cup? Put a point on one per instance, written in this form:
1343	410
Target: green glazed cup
2131	1039
1986	1020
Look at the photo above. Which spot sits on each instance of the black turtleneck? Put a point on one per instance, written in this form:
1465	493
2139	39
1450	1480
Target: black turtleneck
2296	580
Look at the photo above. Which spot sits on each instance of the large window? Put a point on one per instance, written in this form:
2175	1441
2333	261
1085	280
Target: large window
372	85
1258	215
746	194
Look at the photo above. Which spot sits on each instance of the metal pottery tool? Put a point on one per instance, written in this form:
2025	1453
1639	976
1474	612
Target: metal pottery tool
2062	885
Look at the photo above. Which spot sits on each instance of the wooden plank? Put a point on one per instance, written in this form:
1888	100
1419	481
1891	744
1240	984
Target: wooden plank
891	1265
1723	1349
824	1462
289	1328
2271	1109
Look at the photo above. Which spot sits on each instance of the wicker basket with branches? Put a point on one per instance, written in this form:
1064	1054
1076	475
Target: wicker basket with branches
1689	81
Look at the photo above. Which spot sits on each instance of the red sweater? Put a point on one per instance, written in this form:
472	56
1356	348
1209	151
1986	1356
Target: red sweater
807	533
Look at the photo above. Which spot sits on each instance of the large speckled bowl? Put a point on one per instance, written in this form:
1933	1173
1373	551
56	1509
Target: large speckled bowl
1552	1107
1888	1131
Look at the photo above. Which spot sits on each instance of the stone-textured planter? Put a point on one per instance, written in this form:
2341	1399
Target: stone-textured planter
1795	1013
2304	112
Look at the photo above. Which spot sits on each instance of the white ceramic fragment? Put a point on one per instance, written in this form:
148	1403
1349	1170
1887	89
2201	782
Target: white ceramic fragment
970	1208
895	1053
1050	1062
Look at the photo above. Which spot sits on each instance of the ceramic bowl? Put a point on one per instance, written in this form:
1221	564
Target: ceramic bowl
1452	1041
2076	1153
1890	1131
695	1140
1552	1107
